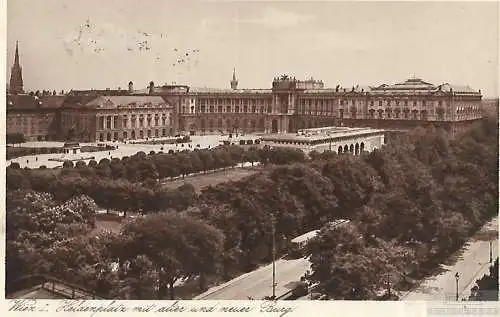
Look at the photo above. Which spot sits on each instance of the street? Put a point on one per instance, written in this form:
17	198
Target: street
258	284
471	265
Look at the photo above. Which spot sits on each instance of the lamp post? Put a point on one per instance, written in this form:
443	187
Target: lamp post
491	255
274	256
457	277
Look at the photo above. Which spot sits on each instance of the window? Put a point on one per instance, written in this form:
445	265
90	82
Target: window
245	108
254	108
371	103
237	109
228	109
219	108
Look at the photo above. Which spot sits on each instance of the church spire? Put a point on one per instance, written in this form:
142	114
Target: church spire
16	75
234	81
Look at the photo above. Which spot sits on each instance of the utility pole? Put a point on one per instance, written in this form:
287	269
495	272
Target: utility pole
457	277
491	256
274	256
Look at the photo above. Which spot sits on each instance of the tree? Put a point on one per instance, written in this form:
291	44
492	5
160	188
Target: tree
251	155
15	138
35	223
207	160
486	288
177	245
80	164
17	179
67	164
348	269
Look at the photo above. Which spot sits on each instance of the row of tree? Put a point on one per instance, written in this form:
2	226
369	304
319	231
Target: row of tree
135	183
15	138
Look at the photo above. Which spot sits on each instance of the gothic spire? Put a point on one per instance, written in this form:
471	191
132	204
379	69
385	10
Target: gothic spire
16	57
16	75
234	81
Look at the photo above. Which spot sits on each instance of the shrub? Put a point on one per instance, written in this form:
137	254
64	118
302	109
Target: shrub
67	164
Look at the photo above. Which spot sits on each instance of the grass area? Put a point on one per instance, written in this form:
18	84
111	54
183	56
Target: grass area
201	181
19	151
92	148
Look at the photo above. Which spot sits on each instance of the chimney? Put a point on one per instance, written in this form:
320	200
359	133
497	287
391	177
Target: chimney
151	87
130	87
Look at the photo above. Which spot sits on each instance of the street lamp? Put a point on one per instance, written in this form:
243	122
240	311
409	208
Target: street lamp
457	277
491	256
274	256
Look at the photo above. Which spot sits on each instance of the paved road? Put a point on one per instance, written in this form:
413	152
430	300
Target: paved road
258	284
471	265
35	161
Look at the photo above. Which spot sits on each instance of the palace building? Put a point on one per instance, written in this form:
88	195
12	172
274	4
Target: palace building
107	118
286	107
292	104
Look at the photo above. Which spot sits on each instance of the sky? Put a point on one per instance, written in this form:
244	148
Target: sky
83	44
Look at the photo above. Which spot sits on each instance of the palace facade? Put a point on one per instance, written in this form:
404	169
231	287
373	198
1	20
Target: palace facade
288	106
292	104
108	118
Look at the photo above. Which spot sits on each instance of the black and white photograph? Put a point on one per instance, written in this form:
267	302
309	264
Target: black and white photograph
270	151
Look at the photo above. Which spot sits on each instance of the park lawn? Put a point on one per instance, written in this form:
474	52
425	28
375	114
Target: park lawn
14	152
202	181
199	182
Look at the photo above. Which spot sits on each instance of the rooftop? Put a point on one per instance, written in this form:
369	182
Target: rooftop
320	134
229	91
34	102
116	101
306	236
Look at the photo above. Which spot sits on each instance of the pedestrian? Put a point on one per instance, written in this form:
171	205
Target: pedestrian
36	158
27	161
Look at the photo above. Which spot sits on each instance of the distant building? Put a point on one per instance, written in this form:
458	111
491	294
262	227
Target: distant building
287	107
292	104
107	118
36	117
72	148
335	139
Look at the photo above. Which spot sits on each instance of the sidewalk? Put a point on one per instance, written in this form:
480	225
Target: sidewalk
471	265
